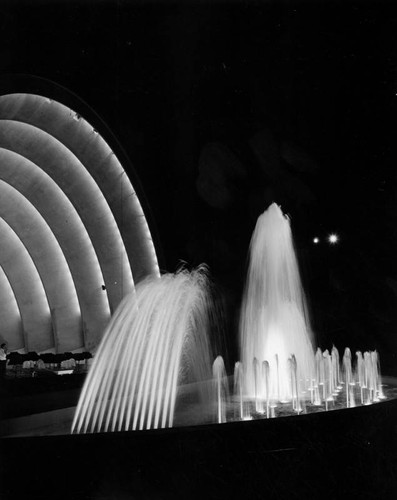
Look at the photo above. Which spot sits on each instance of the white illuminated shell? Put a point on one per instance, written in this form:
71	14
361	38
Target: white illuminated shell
70	222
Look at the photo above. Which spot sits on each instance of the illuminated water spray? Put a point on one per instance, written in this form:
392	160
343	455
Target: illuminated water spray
156	341
274	323
156	347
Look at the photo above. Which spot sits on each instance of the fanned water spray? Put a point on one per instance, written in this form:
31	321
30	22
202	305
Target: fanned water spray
156	342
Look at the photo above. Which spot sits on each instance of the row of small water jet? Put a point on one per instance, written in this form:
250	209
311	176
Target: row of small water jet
332	382
366	378
327	382
156	341
341	381
263	401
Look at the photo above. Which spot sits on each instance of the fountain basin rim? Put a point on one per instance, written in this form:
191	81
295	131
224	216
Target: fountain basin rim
390	403
317	418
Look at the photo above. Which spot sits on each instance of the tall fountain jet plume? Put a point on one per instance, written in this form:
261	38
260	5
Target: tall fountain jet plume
156	341
274	323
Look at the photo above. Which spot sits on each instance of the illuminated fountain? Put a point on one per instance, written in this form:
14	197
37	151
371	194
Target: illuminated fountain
155	346
280	372
274	323
154	367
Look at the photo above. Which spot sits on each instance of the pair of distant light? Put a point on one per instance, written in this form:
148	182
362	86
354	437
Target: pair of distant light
332	239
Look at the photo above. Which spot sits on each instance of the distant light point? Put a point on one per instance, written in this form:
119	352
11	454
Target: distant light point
316	240
333	238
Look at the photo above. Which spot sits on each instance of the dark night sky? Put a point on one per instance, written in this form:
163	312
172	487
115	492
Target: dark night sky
224	107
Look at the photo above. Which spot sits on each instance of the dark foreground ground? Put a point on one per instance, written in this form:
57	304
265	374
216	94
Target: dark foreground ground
341	454
21	396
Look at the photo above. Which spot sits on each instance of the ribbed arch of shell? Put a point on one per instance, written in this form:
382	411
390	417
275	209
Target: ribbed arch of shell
10	315
28	288
50	261
71	225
